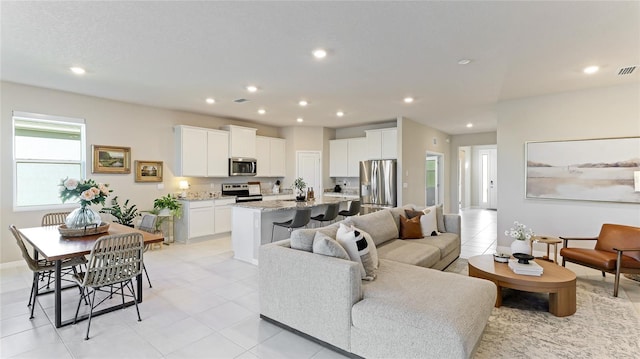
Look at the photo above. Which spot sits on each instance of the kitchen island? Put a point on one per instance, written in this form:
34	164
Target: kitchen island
252	222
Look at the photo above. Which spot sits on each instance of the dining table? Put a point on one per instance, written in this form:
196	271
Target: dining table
48	242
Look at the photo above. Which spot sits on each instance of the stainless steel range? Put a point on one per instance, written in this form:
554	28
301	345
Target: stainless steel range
244	192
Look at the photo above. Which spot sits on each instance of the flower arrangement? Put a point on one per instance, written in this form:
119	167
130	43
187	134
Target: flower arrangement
519	231
88	191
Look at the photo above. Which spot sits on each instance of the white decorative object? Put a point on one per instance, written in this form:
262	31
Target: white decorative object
522	236
518	246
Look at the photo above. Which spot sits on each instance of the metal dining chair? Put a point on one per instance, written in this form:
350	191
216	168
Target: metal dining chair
148	224
41	267
329	215
300	219
354	210
114	259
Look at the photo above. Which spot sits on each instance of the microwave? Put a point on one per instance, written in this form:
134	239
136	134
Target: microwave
242	166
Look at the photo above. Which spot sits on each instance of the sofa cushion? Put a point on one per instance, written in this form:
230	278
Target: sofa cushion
410	228
446	243
358	249
411	213
373	250
409	252
302	239
428	222
327	246
439	215
380	225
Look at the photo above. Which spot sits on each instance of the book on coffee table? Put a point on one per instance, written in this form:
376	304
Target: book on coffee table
532	268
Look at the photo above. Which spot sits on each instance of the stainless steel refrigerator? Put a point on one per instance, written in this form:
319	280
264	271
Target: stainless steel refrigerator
378	184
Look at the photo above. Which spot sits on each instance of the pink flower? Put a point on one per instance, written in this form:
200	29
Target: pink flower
95	190
103	188
71	184
87	195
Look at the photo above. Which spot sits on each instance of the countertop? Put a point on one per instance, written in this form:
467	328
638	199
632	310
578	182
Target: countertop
194	199
287	205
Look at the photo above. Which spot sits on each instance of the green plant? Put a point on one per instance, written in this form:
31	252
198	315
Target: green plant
123	214
299	184
169	202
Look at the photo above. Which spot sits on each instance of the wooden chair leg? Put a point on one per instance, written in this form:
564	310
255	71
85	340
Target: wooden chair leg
616	282
602	274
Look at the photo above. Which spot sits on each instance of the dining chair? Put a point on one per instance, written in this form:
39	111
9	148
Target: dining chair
300	219
148	224
330	214
114	259
41	267
354	210
53	219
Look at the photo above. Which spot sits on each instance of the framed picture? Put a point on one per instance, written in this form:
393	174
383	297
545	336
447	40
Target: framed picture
605	169
110	159
148	171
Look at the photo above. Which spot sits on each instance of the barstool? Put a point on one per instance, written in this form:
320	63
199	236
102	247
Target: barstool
354	210
300	219
329	215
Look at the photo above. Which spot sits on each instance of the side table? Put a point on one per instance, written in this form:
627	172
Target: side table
549	241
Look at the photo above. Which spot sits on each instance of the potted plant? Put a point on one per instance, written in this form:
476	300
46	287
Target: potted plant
299	185
123	214
167	205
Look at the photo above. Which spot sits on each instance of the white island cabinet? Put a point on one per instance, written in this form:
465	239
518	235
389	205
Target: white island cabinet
203	218
253	222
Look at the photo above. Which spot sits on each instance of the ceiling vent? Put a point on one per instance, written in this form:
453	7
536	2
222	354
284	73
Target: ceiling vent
626	70
240	100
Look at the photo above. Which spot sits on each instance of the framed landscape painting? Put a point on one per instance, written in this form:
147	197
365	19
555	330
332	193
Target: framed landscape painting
110	159
606	169
148	171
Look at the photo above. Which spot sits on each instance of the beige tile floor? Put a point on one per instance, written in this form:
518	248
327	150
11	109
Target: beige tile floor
203	304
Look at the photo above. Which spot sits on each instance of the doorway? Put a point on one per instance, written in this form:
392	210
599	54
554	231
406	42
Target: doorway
434	179
308	166
487	165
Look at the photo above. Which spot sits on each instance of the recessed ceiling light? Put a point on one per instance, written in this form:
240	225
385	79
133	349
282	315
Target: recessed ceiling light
591	70
408	100
469	125
339	113
77	70
319	53
210	100
252	88
262	111
303	103
299	119
464	62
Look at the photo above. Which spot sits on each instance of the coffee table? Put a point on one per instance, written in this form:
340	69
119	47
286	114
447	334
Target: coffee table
558	281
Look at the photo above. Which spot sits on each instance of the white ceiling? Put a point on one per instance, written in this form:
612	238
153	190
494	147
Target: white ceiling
175	54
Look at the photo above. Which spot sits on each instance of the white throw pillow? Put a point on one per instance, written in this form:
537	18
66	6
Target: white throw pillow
428	222
358	249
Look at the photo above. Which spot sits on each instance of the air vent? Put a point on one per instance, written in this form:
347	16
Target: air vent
240	100
626	70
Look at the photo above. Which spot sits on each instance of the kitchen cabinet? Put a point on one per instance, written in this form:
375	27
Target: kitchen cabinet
345	156
382	143
203	218
222	219
201	152
356	152
270	153
242	141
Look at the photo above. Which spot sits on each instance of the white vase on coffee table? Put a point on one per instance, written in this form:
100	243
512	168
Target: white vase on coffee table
521	246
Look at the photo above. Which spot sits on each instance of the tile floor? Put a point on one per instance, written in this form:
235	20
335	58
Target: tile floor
203	304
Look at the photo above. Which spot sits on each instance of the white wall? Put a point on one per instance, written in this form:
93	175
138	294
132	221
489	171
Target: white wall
147	130
597	113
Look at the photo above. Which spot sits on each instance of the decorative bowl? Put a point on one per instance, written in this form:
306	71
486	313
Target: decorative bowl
501	257
523	258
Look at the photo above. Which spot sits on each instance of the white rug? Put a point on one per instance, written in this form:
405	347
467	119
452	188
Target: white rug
602	327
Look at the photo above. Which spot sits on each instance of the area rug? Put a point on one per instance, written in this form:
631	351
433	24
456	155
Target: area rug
602	327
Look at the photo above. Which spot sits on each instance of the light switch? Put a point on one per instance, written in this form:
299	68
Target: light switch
160	185
405	185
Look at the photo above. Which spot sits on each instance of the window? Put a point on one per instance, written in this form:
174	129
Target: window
46	150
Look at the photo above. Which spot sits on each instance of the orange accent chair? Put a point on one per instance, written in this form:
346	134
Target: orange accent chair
617	251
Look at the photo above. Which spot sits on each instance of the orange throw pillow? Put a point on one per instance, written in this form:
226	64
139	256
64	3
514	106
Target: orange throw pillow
410	228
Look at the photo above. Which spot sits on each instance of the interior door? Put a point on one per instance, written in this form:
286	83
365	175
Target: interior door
308	166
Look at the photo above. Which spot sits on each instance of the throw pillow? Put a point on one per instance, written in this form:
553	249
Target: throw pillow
373	250
411	213
410	228
428	222
358	250
302	239
325	245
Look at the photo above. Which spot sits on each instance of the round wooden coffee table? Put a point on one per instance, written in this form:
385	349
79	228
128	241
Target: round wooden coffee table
558	281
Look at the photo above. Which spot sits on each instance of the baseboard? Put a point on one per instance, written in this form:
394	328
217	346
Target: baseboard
313	339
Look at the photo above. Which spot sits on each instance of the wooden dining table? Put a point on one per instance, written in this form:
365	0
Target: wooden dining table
48	242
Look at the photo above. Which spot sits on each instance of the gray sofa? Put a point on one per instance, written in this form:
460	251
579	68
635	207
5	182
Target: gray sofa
408	311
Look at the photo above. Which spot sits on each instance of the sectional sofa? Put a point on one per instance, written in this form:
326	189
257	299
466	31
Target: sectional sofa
411	310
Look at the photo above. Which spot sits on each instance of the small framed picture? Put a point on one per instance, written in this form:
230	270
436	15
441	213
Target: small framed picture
110	159
148	171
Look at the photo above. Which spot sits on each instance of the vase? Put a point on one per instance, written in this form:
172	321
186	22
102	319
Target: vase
521	246
83	217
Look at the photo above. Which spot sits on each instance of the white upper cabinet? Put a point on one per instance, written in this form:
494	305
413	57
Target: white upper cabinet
382	144
242	141
270	153
345	156
201	152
